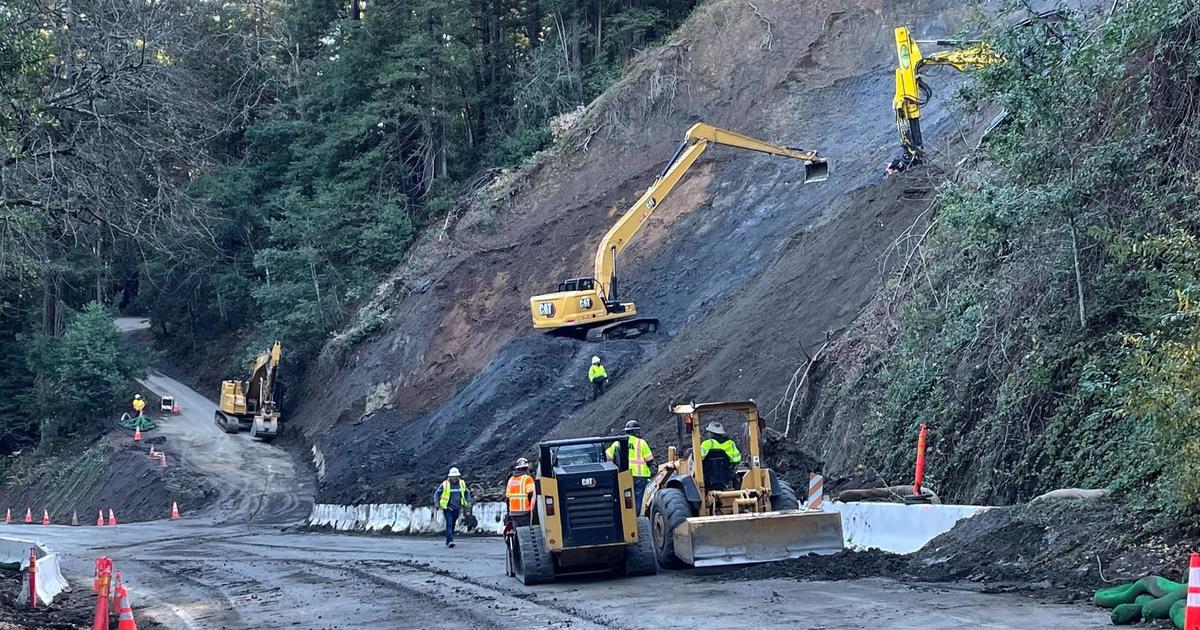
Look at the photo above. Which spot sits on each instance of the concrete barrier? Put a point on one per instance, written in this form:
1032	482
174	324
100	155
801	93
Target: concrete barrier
402	518
897	527
50	580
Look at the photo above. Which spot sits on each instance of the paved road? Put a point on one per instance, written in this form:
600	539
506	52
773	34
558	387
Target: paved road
239	565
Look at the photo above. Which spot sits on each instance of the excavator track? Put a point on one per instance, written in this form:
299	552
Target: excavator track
623	329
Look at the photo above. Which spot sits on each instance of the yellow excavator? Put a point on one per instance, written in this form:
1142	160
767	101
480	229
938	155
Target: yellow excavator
707	510
913	93
254	403
589	306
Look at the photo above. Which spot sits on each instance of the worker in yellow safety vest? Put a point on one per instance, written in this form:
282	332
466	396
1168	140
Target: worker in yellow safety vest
718	439
520	493
598	377
641	459
138	404
452	496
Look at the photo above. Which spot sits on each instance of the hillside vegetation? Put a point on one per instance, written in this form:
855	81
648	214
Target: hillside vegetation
1044	320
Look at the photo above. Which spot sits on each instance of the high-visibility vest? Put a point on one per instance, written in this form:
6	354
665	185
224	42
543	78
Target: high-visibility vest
639	456
597	372
519	489
728	446
139	404
462	494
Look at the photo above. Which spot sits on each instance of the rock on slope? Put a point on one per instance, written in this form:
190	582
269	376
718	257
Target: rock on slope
743	264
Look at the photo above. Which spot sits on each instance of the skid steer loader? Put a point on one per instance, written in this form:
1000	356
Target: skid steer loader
585	520
715	514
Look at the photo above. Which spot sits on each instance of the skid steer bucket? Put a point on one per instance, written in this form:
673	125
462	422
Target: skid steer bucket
706	541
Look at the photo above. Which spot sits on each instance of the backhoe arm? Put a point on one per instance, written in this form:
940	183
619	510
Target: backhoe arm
697	140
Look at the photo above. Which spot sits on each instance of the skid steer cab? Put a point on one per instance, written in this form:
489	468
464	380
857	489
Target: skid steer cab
585	520
720	511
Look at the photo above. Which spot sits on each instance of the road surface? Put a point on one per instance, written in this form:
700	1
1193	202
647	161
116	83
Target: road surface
244	562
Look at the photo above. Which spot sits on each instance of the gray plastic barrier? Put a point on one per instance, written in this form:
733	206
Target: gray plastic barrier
402	518
50	580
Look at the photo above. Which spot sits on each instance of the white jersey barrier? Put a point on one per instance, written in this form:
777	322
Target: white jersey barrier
897	527
50	580
402	518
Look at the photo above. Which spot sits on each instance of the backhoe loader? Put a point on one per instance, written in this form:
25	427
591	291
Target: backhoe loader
589	306
253	403
713	513
913	93
585	521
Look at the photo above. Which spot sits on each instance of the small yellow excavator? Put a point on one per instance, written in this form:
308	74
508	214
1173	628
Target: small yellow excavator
913	93
712	513
253	403
589	306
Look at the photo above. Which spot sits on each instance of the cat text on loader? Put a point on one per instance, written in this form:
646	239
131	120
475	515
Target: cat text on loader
585	520
715	514
253	403
589	306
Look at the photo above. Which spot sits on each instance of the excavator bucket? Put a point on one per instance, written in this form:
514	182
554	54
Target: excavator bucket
706	541
816	170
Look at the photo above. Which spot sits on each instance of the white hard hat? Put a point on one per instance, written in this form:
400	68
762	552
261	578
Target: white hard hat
595	360
137	396
716	428
454	472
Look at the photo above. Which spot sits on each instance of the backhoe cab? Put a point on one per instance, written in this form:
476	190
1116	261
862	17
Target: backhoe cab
585	521
589	306
254	403
716	513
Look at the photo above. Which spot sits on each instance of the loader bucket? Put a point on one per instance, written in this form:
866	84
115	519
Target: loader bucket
816	170
706	541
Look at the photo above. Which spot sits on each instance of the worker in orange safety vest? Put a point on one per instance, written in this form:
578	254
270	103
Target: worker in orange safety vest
521	493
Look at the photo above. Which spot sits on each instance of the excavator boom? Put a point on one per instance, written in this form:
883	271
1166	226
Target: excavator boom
591	304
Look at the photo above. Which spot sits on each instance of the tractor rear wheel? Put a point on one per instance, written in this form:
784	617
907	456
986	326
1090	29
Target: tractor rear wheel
786	499
639	557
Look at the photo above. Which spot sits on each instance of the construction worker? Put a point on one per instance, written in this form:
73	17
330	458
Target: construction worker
452	496
520	493
641	459
138	404
716	438
598	376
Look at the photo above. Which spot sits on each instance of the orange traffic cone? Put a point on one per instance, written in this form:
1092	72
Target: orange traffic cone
75	518
28	515
152	453
174	511
45	516
125	619
1191	615
137	434
100	519
162	460
175	409
8	516
112	518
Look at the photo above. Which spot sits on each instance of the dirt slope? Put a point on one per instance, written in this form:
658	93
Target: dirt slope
743	264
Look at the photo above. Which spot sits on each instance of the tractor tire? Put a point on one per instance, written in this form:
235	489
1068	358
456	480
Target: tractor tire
786	499
669	509
639	557
532	563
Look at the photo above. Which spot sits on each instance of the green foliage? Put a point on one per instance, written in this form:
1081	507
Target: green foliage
1052	338
83	375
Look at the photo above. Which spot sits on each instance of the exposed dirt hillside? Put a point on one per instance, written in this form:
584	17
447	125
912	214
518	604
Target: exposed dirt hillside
744	265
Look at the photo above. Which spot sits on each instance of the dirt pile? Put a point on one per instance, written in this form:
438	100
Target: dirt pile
110	473
1061	549
745	267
